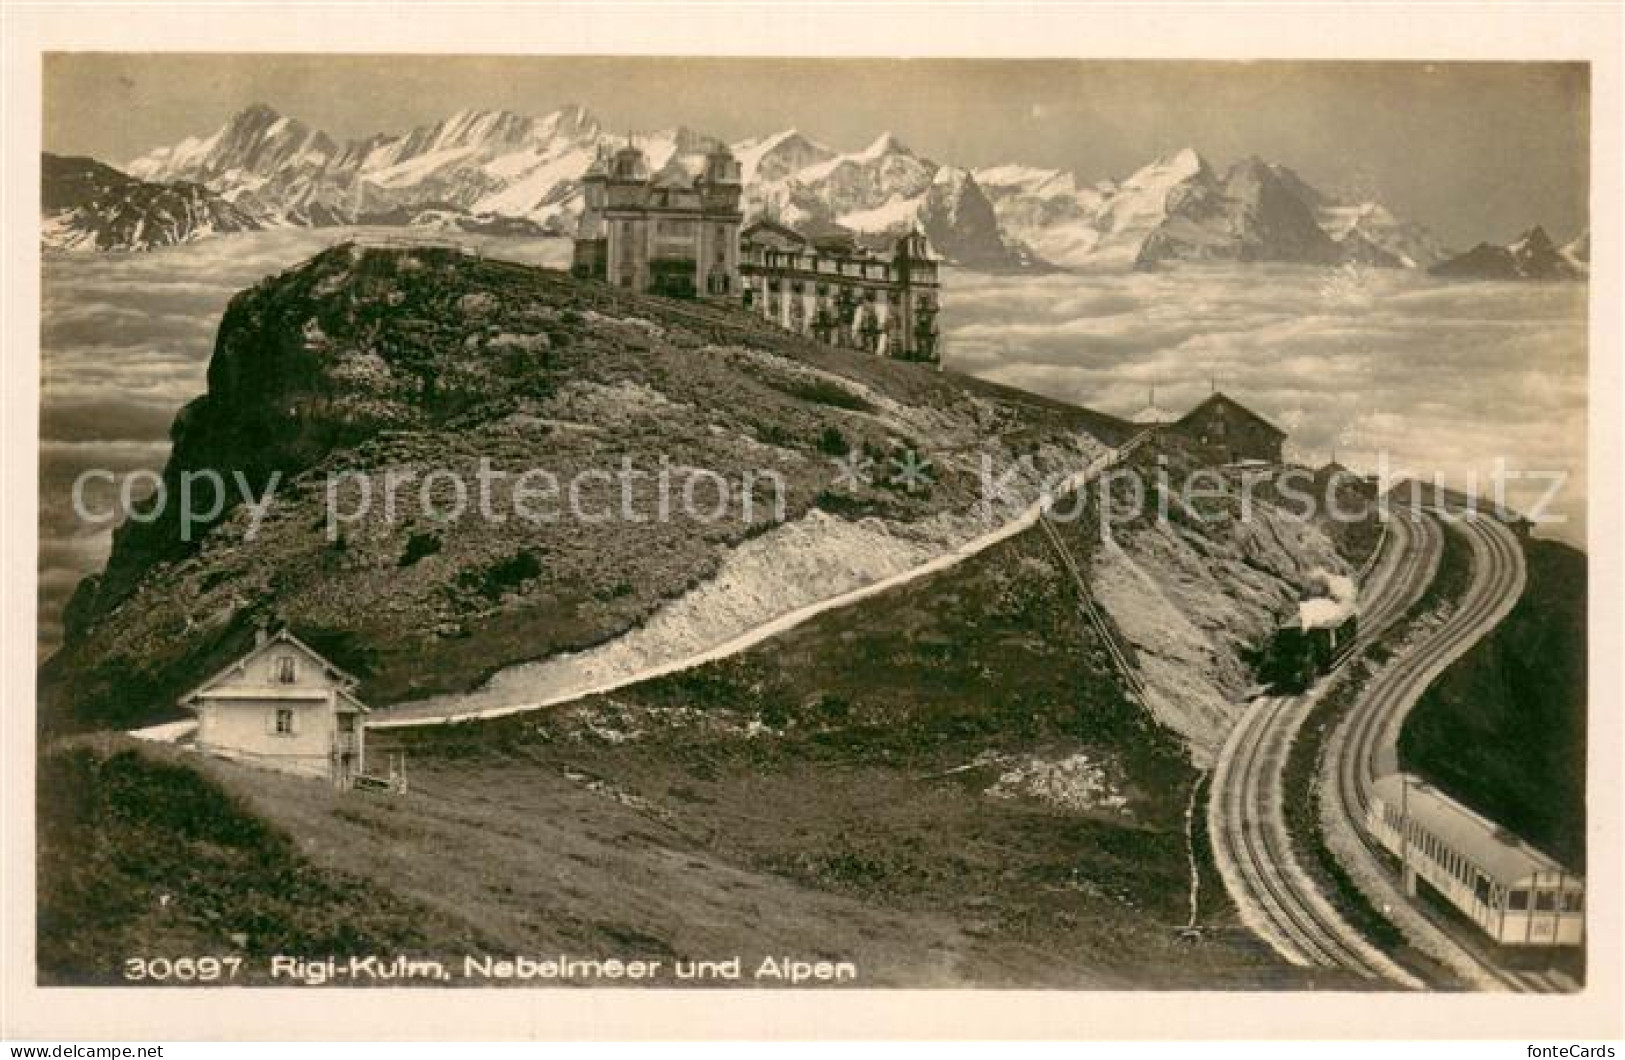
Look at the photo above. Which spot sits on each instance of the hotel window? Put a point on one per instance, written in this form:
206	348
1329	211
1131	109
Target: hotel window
284	722
286	673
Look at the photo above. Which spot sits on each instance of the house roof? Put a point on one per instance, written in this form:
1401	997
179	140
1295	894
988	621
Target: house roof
1498	853
349	697
770	225
1152	415
1220	398
347	681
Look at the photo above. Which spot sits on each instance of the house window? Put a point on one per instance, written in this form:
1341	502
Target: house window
346	723
285	672
284	722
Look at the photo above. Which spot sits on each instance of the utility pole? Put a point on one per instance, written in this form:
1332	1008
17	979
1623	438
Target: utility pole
1407	873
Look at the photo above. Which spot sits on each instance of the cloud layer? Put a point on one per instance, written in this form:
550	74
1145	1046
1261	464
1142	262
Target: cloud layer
1444	377
125	341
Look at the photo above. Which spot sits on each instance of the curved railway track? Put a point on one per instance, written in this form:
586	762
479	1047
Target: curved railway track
1364	744
1372	729
1246	818
1298	922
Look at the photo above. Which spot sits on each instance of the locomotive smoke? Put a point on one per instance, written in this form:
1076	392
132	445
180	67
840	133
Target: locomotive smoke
1332	598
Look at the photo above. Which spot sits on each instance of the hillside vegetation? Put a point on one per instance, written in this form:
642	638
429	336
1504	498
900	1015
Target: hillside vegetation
1504	729
376	361
947	784
141	855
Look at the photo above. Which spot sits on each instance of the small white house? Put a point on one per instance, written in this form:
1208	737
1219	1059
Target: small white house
284	707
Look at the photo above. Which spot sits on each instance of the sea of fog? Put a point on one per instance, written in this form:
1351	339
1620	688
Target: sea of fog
1386	368
1443	377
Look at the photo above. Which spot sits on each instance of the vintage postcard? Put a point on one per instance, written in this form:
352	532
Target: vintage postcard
529	522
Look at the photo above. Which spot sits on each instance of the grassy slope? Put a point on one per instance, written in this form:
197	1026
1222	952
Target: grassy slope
140	855
844	756
811	796
382	361
827	793
1504	728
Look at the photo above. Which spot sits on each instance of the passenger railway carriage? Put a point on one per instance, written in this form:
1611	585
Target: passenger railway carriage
1518	895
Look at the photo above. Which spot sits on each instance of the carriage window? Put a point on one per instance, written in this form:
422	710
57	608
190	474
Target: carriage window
1481	890
1518	901
1545	901
1573	901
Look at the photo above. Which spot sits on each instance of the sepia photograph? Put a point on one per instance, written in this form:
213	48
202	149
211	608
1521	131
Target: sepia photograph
728	523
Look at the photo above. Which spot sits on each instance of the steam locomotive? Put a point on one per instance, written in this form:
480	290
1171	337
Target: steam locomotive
1298	653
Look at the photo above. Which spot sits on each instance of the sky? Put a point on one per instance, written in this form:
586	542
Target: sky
1476	151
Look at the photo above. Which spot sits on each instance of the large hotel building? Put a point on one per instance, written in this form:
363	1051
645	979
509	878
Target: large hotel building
837	292
676	232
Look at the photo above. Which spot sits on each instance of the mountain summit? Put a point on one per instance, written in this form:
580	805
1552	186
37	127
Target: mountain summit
91	206
493	165
1532	256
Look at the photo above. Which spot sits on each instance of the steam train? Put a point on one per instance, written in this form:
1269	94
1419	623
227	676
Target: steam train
1299	651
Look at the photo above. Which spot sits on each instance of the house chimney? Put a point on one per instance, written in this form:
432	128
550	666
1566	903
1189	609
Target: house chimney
261	635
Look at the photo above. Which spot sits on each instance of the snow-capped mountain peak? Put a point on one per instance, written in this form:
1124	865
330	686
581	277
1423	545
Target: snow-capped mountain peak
1578	251
885	144
494	162
772	158
91	206
1532	256
1534	241
1170	169
572	121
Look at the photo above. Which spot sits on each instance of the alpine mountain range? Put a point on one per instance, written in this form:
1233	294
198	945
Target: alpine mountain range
496	171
